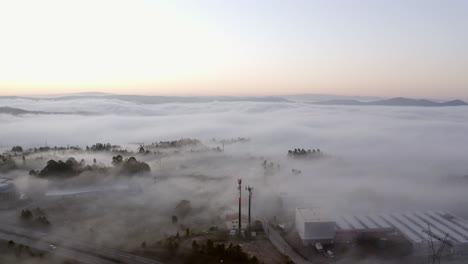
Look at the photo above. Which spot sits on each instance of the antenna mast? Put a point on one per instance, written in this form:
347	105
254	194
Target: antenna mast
239	181
250	190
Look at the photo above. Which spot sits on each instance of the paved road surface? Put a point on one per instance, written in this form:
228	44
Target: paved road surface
74	246
62	252
282	245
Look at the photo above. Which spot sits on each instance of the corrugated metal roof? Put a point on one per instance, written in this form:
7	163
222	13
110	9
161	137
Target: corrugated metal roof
379	221
410	224
353	222
460	222
451	225
367	222
342	224
407	232
442	227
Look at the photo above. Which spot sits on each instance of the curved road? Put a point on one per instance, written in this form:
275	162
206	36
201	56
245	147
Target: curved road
69	248
281	245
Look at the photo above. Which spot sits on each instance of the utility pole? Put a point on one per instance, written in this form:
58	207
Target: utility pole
239	181
250	190
436	254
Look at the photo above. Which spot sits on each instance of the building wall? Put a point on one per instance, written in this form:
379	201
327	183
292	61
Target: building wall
323	232
300	224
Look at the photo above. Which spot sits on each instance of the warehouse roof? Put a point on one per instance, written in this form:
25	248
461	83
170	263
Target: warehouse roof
412	225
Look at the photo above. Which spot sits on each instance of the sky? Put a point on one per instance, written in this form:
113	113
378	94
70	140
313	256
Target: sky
416	48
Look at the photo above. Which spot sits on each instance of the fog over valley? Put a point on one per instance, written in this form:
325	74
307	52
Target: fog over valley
365	160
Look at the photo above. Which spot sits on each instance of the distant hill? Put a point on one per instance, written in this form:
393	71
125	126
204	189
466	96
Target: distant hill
397	101
152	99
312	99
19	111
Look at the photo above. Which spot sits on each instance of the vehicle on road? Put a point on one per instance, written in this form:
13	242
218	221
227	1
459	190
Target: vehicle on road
319	247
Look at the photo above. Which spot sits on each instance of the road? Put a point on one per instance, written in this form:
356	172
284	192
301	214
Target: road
87	190
87	252
62	252
282	245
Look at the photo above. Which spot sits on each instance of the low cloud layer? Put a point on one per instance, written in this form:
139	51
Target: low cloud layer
380	158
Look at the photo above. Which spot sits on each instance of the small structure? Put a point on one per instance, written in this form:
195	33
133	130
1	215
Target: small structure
232	223
314	227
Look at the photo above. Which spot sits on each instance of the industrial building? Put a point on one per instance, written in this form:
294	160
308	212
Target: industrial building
314	227
418	228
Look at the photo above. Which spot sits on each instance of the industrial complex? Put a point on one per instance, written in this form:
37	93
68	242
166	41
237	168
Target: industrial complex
422	230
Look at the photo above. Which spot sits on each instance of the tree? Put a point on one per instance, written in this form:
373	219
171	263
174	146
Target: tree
117	160
26	214
183	208
175	219
142	149
132	166
195	246
209	246
17	149
11	243
187	232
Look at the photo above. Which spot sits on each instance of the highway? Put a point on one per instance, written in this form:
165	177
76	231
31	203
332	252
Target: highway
281	245
62	252
70	248
87	190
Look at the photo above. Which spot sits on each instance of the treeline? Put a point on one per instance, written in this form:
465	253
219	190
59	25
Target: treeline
94	148
209	252
71	167
201	252
302	153
183	142
231	141
19	149
7	163
34	217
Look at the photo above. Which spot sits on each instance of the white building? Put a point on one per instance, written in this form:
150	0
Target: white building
312	226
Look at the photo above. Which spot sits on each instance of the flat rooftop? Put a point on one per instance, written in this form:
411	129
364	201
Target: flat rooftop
313	215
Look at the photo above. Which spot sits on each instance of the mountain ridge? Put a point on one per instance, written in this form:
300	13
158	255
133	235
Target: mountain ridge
20	111
396	101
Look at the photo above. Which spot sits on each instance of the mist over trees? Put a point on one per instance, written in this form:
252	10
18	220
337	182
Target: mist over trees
71	167
7	163
361	175
17	149
302	153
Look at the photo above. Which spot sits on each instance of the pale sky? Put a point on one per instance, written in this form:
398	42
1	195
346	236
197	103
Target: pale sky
240	47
